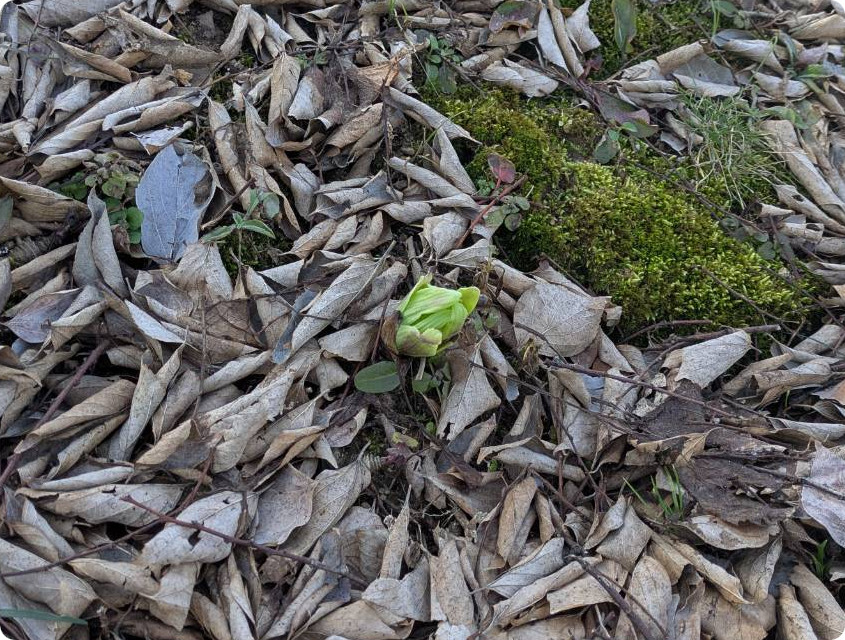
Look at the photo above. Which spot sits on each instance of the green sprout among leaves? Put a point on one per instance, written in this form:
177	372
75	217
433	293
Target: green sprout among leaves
672	507
438	64
821	562
431	316
130	219
269	203
427	319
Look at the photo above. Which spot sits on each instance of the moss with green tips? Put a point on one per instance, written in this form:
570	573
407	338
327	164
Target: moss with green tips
623	231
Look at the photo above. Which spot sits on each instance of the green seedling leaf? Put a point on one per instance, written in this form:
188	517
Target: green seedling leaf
134	217
114	186
218	234
448	82
767	251
253	202
424	384
816	71
606	150
787	113
624	23
135	236
76	190
495	217
271	204
522	203
492	319
238	218
117	217
513	221
381	377
723	7
257	226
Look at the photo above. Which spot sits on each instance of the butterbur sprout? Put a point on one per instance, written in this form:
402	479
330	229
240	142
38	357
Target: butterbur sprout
428	318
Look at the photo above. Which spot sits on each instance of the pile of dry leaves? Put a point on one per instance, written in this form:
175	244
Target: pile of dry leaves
188	456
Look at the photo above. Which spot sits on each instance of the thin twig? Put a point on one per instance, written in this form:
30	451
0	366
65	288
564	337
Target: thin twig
641	626
242	542
15	458
666	324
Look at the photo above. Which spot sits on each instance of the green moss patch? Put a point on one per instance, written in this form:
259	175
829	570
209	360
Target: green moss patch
661	27
620	231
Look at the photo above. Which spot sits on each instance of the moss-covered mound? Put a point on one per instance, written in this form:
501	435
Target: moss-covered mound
621	231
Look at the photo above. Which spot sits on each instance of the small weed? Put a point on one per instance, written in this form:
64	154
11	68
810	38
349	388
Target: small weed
821	561
317	59
673	507
115	177
266	202
438	63
263	201
508	213
733	150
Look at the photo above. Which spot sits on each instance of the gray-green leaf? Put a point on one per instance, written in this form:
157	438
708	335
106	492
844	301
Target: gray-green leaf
624	23
380	377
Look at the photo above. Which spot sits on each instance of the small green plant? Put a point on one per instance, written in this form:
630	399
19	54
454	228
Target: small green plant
379	377
508	213
609	145
263	201
317	59
438	64
433	377
744	232
110	173
130	220
821	561
428	318
115	177
624	24
673	507
732	150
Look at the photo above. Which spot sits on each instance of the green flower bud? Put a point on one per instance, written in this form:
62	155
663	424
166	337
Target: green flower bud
431	316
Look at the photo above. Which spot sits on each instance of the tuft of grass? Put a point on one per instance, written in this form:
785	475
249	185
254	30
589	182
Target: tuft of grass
673	506
821	561
733	152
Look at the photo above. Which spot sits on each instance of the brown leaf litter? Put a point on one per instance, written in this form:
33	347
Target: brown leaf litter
187	456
